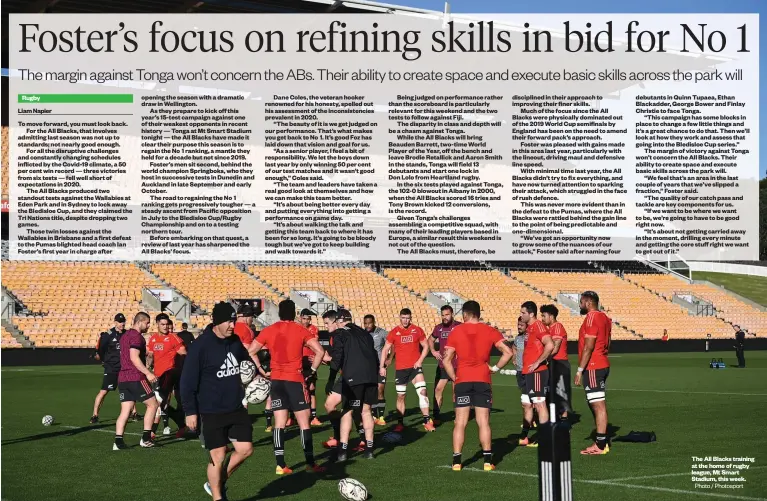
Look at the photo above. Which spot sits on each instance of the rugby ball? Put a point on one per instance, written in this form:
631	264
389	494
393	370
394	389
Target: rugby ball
247	371
258	390
392	437
352	490
47	420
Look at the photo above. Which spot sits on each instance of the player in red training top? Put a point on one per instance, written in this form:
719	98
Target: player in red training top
286	340
593	365
308	359
410	350
439	334
134	381
162	350
471	344
538	348
560	366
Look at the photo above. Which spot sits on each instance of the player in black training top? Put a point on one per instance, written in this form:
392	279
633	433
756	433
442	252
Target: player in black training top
108	353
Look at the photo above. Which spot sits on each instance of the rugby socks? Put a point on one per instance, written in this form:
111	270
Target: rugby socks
369	445
343	446
278	439
381	407
154	427
361	431
119	439
426	419
308	445
435	410
525	429
488	455
269	414
401	420
314	413
147	436
457	458
601	440
336	422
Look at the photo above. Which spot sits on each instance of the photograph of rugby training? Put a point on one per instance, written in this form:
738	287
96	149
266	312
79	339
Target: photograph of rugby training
455	380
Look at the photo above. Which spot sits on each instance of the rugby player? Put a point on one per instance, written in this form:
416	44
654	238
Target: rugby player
379	339
286	340
538	348
594	366
108	353
410	350
306	321
163	349
135	382
439	334
518	350
560	364
243	329
354	352
471	343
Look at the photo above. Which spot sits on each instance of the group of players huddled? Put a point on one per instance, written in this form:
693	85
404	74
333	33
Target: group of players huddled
204	376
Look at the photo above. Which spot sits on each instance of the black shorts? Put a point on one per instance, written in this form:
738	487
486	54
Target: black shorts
381	379
338	386
595	384
135	391
441	374
167	383
307	370
218	430
404	376
289	395
537	384
474	395
109	382
355	396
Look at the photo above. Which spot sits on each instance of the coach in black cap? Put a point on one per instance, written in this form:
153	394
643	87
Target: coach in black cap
108	353
212	395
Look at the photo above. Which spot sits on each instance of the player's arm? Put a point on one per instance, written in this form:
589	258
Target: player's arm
424	353
386	357
319	352
447	362
589	342
149	353
135	357
336	362
556	338
506	355
254	348
548	348
101	346
434	353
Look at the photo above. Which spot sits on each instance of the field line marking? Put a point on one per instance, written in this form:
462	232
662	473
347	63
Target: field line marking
671	475
618	484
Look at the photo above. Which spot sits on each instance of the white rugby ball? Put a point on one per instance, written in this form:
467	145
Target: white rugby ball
258	390
392	437
47	420
247	371
352	490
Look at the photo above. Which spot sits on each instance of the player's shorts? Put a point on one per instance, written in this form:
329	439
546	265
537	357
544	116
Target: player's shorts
218	430
524	397
289	395
404	376
306	368
381	379
441	374
595	384
109	382
135	391
355	396
166	383
474	395
537	384
338	386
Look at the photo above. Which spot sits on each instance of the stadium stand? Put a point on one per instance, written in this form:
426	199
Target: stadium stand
637	309
727	307
207	284
8	341
499	295
357	288
72	302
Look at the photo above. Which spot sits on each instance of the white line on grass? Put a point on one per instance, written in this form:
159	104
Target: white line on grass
671	475
100	430
618	484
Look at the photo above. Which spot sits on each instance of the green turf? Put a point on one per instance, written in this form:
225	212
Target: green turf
695	411
748	286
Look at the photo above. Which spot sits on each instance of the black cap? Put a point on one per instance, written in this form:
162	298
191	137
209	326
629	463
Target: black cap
344	315
223	312
120	318
306	312
246	310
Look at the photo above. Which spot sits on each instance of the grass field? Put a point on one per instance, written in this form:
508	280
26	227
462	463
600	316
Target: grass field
748	286
694	410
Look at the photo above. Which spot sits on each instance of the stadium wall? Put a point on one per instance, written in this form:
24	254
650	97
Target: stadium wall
19	357
737	269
